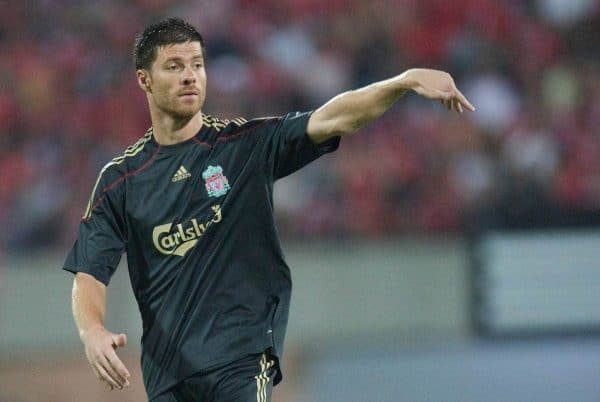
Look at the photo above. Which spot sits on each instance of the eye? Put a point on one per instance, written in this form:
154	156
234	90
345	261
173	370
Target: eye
198	65
172	67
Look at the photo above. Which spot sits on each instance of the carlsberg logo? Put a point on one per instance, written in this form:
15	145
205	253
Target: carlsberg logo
183	238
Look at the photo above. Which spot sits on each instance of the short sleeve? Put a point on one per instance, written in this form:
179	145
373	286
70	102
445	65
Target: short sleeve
288	146
100	238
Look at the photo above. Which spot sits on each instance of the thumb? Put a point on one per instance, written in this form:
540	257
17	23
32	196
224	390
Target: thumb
119	340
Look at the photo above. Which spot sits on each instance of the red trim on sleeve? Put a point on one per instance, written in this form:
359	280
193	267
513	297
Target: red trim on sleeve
243	132
197	141
120	179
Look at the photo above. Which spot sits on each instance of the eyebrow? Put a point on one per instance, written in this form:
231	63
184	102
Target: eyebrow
177	58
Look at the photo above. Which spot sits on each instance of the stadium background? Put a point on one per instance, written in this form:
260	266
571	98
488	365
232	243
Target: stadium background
388	239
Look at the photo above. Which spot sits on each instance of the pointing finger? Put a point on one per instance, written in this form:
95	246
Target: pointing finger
463	100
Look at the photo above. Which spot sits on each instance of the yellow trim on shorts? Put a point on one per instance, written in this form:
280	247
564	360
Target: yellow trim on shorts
262	380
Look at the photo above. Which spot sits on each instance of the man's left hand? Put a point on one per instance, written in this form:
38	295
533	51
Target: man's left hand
437	85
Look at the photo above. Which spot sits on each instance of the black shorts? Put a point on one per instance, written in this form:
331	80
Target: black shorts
249	379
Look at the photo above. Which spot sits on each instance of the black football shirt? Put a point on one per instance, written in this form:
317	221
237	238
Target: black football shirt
204	258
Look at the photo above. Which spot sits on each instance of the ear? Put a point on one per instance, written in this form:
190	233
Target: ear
144	80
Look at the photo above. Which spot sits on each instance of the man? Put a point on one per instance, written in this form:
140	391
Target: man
191	204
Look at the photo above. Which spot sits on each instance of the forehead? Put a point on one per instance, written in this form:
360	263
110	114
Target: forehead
185	50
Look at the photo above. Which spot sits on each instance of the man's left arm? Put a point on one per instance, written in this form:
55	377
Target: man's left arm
349	111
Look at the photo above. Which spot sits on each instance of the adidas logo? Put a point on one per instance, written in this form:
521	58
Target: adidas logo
181	174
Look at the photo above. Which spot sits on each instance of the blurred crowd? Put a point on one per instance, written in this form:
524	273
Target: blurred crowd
69	102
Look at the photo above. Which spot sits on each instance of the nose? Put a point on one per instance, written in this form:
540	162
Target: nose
188	76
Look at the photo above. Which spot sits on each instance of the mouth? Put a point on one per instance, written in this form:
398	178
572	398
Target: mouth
188	94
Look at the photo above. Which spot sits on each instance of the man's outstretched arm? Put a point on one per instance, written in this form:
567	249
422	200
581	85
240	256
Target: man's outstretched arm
349	111
89	307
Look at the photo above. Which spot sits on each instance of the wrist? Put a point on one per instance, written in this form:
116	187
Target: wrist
407	80
85	333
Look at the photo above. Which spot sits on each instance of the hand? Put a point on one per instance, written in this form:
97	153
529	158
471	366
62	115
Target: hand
435	84
100	346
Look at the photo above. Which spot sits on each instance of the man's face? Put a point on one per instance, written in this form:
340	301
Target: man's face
176	82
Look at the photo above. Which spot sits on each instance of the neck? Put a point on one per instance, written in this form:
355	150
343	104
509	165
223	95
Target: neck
169	130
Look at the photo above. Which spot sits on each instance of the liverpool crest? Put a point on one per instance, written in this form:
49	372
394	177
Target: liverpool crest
215	181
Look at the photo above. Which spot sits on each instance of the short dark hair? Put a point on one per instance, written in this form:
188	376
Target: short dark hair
165	32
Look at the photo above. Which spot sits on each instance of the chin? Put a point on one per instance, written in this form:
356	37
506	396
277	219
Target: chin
186	113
